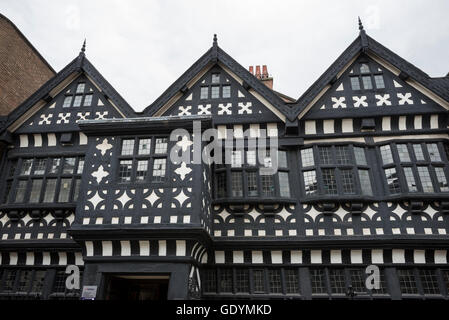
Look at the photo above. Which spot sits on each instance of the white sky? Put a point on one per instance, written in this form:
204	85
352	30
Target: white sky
141	47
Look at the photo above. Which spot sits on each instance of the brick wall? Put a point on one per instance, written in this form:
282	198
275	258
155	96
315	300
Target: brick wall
22	70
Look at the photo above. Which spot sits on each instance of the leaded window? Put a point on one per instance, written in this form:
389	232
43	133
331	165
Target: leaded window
429	281
415	167
337	281
291	281
209	280
335	170
23	282
242	280
215	92
215	78
355	83
259	280
247	177
143	159
274	277
357	280
80	97
226	280
379	80
318	281
44	180
227	91
204	93
407	281
367	74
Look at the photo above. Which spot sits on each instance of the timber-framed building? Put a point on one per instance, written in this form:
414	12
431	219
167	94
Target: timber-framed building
362	179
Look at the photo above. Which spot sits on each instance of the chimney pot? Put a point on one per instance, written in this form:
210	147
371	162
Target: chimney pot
251	70
264	71
258	72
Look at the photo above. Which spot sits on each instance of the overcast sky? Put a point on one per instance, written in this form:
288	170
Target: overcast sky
141	47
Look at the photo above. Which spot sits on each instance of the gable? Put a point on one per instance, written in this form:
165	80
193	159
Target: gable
368	89
220	94
80	100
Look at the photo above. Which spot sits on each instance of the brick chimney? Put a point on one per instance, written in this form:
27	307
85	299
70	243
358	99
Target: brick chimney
262	75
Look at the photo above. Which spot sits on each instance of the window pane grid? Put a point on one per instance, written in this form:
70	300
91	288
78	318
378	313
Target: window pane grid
367	83
325	155
337	280
127	147
426	181
161	145
392	180
407	281
284	184
310	182
403	153
226	280
329	182
379	80
342	155
275	281
252	183
267	182
347	177
442	180
429	281
365	182
419	154
242	281
358	281
307	157
259	281
291	281
434	153
387	156
159	168
318	281
355	83
209	281
236	184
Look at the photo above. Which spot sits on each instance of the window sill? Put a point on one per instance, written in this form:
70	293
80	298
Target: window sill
255	200
37	210
31	206
418	196
338	198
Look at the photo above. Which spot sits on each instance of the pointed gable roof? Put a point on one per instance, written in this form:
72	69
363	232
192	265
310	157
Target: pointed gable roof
364	43
216	55
77	66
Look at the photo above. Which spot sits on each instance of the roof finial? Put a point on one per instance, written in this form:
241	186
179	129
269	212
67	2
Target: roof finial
215	39
83	48
360	24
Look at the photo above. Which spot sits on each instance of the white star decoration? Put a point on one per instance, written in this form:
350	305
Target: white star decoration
183	170
100	174
104	146
184	143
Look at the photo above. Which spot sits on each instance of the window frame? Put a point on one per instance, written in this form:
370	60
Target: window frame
246	168
338	168
414	164
17	177
150	157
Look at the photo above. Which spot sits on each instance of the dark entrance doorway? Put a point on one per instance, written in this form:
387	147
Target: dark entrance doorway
124	287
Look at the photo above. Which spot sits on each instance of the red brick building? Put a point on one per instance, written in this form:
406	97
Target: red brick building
22	68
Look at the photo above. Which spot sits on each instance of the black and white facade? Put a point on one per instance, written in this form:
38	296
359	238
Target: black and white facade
362	179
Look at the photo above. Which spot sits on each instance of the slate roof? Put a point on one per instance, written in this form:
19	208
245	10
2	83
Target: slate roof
79	64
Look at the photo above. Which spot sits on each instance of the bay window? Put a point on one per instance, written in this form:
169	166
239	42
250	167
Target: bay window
335	170
414	167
